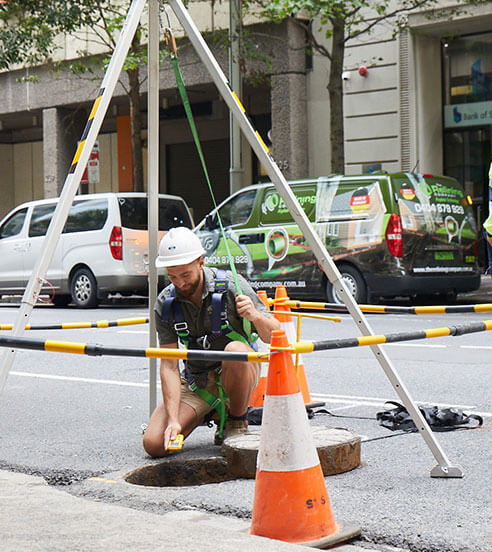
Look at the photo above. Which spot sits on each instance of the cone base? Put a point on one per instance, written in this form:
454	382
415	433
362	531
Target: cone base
344	532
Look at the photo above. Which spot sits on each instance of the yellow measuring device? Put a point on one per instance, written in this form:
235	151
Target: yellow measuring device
176	444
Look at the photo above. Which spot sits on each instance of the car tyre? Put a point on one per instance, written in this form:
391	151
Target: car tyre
83	288
355	282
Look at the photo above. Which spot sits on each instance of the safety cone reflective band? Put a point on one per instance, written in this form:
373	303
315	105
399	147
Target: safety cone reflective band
291	502
258	394
287	324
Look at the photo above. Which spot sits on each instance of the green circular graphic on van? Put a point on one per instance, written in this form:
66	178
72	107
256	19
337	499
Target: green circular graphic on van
451	225
271	202
276	245
426	188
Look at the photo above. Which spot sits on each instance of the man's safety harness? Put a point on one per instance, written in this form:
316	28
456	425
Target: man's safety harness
220	327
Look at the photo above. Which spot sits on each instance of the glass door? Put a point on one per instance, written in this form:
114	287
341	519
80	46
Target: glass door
467	156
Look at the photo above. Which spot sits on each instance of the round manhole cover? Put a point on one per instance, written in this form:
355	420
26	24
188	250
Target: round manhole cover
338	451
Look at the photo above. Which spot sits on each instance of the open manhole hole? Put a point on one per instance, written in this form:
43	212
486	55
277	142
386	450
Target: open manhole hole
181	473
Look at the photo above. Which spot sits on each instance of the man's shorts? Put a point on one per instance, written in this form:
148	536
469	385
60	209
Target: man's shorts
200	406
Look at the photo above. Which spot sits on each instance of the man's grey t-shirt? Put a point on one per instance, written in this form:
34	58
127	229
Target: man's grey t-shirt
199	319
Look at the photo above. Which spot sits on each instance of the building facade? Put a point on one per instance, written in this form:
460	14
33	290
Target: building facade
424	104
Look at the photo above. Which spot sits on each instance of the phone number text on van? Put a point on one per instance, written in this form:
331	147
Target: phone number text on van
440	208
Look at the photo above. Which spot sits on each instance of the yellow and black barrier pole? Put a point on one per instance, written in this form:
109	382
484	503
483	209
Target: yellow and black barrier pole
93	349
81	325
385	309
369	340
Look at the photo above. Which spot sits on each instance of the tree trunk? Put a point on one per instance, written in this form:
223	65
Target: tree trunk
136	128
336	97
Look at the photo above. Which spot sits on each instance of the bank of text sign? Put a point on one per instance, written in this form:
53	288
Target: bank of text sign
468	114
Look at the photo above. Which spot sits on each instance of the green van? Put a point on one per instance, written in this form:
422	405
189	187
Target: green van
399	234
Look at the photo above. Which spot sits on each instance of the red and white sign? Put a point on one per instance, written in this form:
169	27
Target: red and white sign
91	174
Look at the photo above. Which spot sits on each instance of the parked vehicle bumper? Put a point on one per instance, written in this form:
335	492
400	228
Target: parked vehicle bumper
390	286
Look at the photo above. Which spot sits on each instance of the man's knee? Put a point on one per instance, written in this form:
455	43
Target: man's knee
153	447
238	347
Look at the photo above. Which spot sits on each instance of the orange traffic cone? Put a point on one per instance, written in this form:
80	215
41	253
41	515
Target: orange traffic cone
257	396
287	324
291	502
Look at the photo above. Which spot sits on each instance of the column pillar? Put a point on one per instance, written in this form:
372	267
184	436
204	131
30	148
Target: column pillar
289	105
62	128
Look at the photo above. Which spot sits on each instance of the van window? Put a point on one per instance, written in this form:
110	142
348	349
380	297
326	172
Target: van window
13	225
437	204
90	214
238	209
134	215
349	199
85	215
40	220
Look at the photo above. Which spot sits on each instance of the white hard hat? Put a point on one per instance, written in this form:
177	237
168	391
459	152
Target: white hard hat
179	246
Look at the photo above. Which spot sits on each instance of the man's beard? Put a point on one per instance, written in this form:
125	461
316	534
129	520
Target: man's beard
190	290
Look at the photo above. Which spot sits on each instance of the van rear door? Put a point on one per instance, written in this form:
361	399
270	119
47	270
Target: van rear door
439	230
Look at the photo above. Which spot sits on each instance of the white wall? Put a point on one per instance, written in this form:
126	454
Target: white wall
371	105
28	172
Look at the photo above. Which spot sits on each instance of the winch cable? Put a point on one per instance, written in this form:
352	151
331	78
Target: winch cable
171	47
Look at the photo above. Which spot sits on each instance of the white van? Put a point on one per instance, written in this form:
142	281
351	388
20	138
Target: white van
103	248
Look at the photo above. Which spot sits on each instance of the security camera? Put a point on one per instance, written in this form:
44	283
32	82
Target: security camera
345	75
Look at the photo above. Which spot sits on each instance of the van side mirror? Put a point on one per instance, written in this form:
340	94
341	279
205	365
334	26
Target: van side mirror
212	221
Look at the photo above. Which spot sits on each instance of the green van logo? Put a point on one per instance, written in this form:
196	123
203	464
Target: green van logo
271	203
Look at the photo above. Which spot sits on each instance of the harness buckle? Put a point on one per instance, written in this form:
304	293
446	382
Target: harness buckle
181	326
203	342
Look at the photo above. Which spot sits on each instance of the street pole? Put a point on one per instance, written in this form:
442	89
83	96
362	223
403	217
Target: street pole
153	183
236	171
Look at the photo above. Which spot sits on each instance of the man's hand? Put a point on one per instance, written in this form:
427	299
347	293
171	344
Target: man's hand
246	308
171	432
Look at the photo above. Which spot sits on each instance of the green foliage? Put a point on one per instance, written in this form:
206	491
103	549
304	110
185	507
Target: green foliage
356	16
28	27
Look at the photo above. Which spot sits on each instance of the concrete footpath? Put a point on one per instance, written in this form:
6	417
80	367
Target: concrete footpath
37	517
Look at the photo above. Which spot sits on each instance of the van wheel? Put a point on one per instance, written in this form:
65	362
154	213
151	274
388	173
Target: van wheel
83	288
355	283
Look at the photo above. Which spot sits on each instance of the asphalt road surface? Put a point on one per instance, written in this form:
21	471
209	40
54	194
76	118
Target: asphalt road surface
77	420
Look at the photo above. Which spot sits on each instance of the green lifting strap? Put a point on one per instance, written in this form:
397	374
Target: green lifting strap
217	403
189	114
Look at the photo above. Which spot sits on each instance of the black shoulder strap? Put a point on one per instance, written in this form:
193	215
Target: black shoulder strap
167	305
219	303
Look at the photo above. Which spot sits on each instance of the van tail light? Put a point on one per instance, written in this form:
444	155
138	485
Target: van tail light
394	236
116	243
